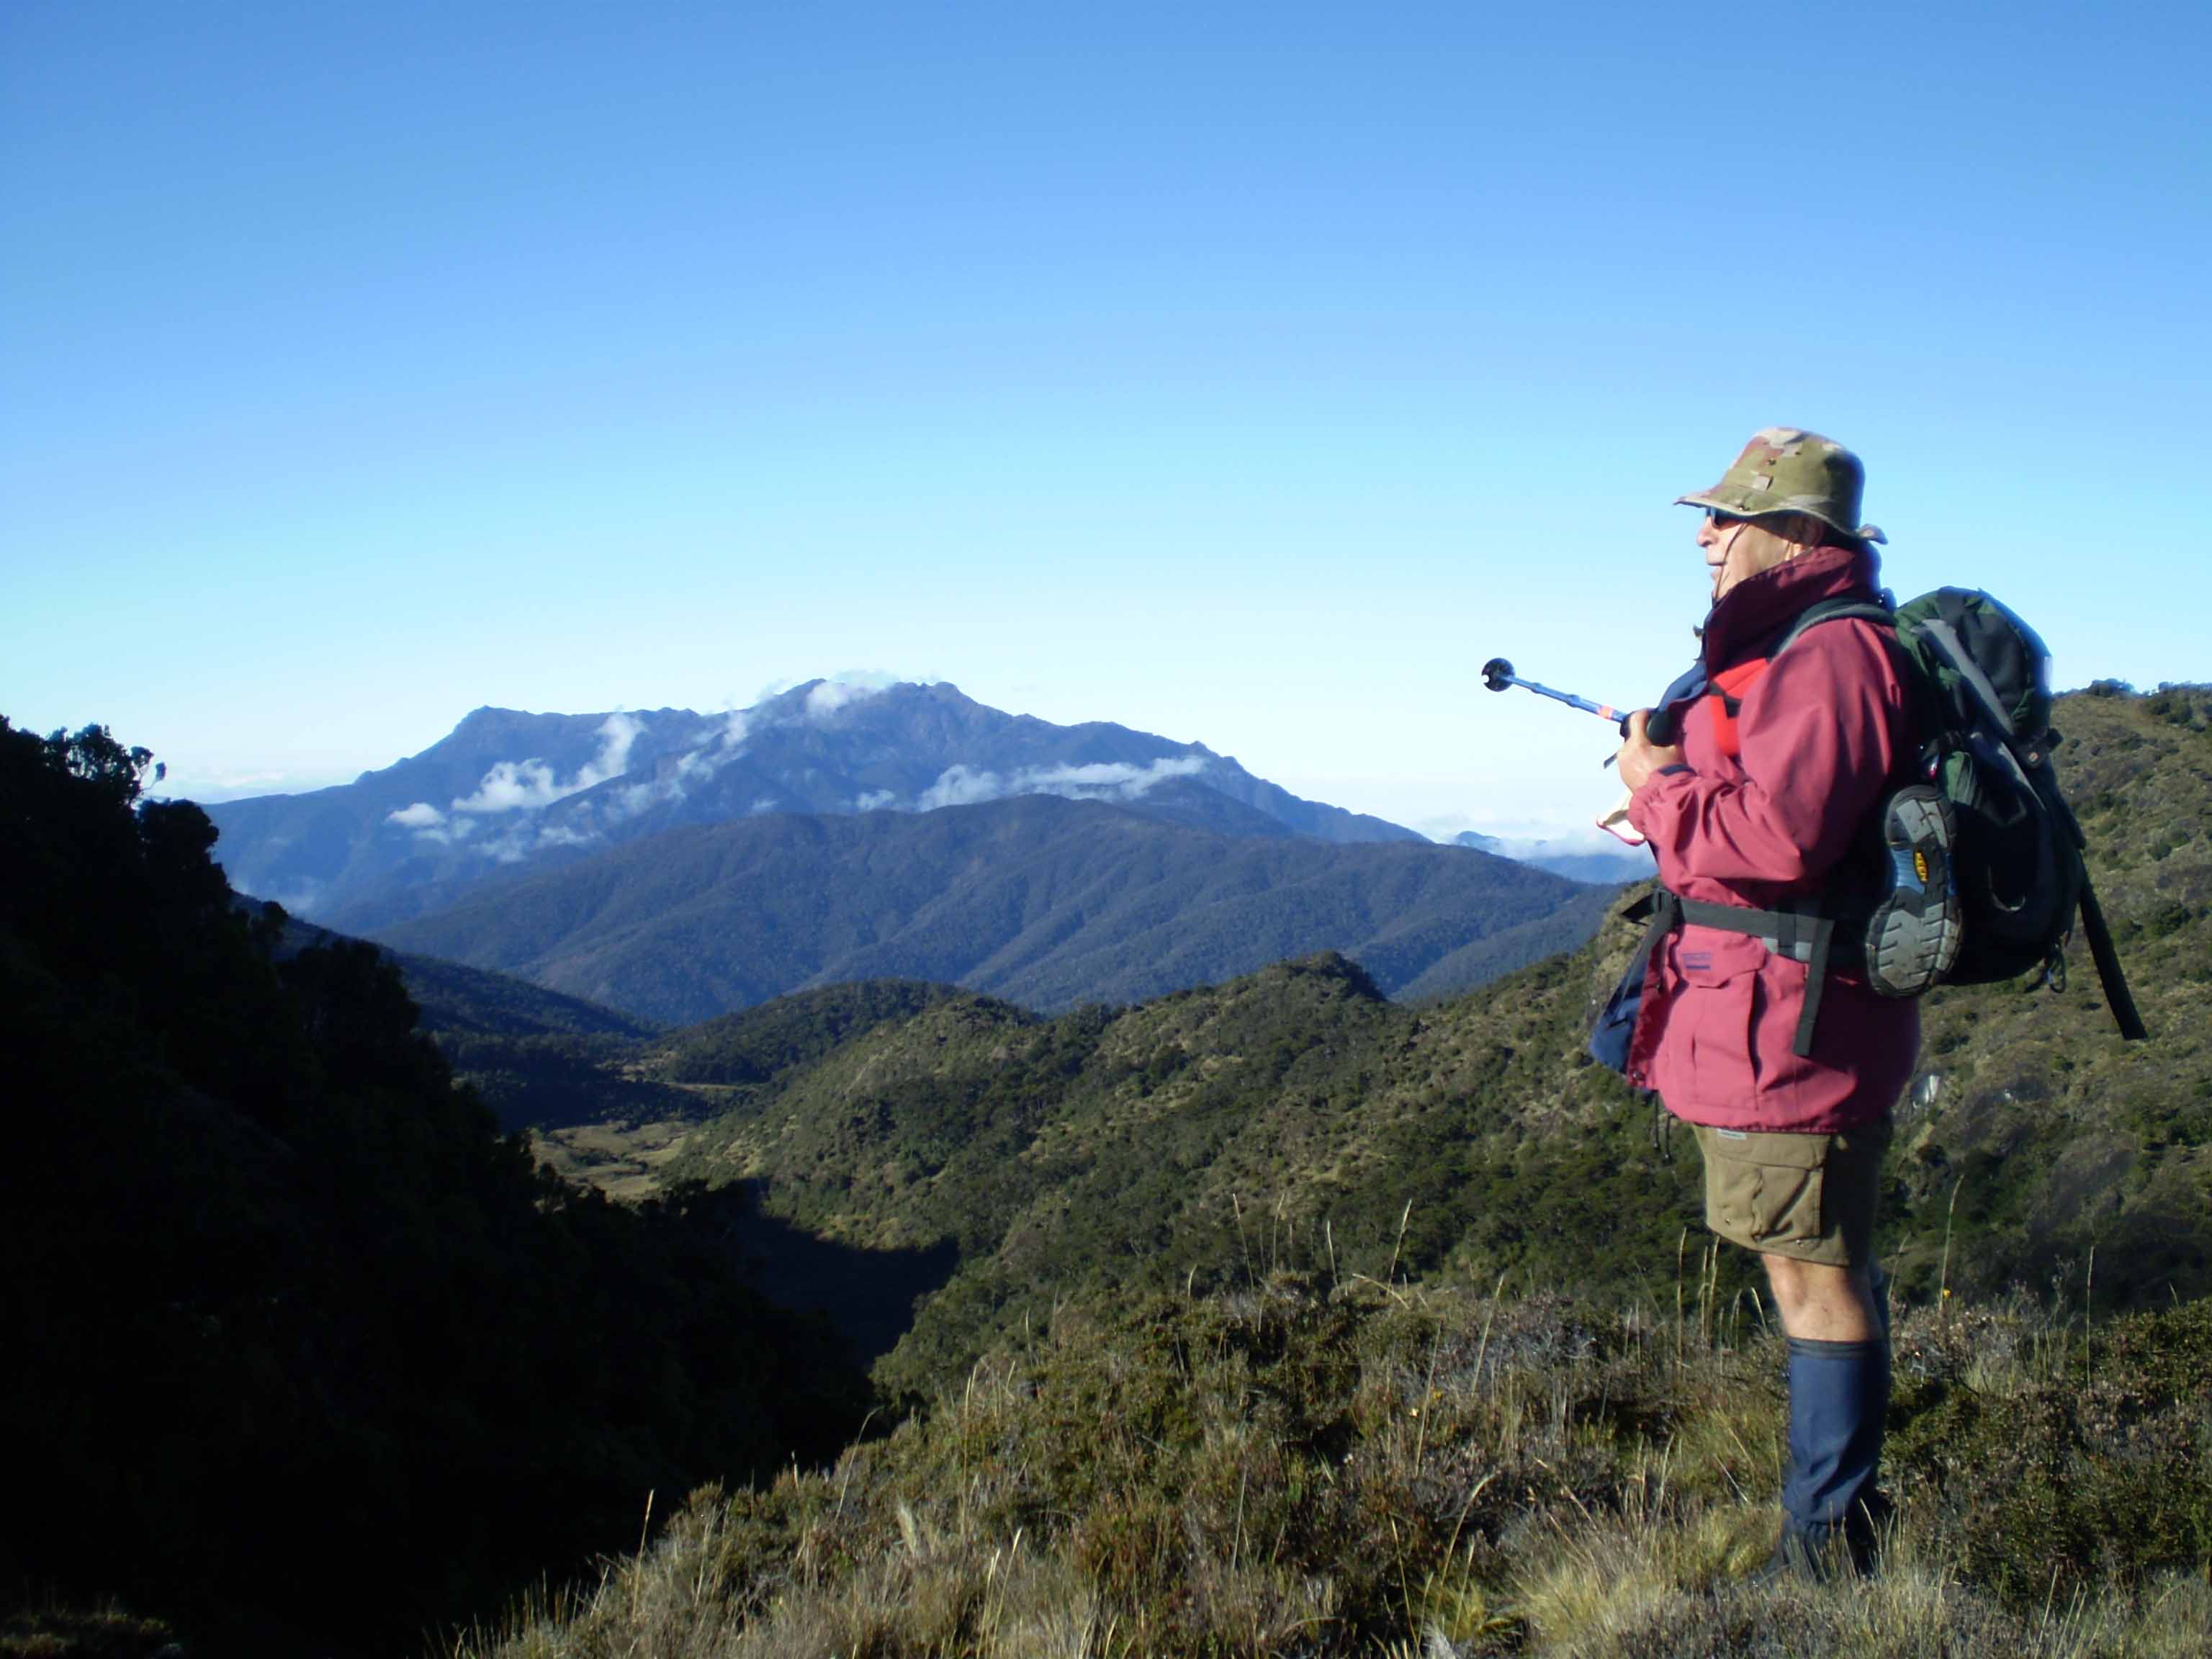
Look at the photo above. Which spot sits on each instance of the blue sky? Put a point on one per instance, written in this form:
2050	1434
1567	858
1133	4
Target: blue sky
1244	373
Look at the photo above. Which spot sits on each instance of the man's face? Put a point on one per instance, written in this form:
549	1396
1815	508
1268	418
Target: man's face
1737	548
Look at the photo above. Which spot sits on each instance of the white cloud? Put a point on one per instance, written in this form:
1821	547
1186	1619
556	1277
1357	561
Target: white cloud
513	786
638	796
765	804
874	800
962	786
299	898
527	785
823	699
846	687
827	698
1110	777
425	821
617	733
517	842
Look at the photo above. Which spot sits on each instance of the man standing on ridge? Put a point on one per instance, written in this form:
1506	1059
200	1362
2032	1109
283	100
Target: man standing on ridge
1759	1029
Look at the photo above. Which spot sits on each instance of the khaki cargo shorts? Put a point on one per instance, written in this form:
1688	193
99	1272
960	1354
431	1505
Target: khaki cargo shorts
1807	1196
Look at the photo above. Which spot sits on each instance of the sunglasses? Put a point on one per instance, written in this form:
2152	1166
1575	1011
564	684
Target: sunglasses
1720	520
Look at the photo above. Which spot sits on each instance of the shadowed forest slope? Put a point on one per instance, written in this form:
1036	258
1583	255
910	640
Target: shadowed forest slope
303	1355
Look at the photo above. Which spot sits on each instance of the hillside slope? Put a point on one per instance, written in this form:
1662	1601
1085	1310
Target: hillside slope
1043	901
455	998
1298	1467
1298	1112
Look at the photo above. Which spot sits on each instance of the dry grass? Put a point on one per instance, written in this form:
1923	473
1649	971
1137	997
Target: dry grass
55	1631
1420	1472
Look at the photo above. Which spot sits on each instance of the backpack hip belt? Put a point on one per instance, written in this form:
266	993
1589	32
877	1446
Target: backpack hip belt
1799	931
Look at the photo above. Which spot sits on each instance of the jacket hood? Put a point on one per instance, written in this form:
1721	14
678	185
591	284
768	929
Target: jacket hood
1750	614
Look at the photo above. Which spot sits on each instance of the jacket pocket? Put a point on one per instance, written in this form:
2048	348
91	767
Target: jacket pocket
1716	1014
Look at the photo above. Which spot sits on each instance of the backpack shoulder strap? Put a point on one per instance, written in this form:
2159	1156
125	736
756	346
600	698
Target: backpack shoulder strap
1730	684
1833	610
1882	611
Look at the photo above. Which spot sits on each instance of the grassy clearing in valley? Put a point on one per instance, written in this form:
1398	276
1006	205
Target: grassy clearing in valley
622	1159
1428	1471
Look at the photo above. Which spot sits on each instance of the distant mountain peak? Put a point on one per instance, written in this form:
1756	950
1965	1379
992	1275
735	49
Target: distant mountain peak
508	789
1592	857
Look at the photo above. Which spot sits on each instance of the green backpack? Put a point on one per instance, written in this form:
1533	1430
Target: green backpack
1986	870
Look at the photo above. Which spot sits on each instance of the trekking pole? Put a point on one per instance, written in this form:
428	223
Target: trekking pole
1498	674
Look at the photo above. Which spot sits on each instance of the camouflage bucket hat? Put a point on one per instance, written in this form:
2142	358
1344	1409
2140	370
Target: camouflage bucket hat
1784	470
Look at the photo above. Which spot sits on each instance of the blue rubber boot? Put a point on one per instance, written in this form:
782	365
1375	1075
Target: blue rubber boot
1838	1400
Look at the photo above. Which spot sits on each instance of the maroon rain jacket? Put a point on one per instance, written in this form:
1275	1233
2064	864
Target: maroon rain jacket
1824	736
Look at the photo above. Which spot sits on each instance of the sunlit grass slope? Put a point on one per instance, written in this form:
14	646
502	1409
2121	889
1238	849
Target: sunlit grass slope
1297	1469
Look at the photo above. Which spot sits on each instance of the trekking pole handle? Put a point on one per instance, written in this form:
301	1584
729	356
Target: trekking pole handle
1498	674
1662	728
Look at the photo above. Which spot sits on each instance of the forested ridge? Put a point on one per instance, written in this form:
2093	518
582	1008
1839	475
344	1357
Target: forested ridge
305	1356
1041	901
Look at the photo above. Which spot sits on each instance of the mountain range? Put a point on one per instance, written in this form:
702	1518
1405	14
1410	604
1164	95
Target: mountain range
676	865
507	791
1601	860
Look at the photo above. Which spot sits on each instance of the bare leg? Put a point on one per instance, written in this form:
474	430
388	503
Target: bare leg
1823	1303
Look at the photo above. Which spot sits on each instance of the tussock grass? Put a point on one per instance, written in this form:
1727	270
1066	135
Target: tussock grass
1288	1470
53	1630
